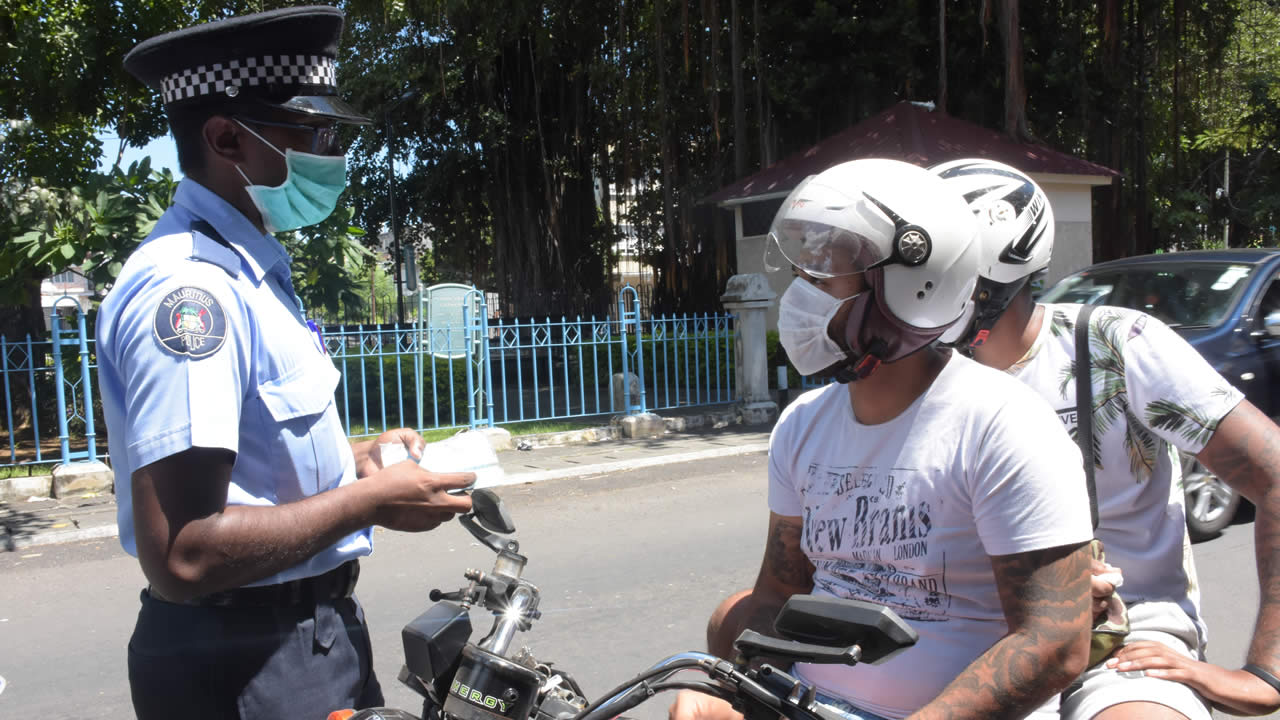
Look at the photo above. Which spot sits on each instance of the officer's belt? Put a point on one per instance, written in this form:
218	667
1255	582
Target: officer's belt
339	582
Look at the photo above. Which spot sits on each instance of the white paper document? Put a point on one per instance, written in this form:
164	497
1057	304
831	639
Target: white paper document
464	452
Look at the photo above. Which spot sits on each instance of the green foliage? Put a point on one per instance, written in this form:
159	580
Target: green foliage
502	119
327	263
93	226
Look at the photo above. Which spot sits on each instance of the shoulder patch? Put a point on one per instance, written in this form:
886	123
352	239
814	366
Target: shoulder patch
190	321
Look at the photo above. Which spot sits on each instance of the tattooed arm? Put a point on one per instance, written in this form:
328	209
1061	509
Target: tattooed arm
1046	601
1245	452
785	571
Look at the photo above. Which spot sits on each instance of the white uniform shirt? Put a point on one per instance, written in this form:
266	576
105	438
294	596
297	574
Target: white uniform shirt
202	344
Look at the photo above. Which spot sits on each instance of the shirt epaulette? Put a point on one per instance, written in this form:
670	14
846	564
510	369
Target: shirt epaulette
208	246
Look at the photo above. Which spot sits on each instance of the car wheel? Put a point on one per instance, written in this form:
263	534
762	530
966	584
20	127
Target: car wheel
1211	503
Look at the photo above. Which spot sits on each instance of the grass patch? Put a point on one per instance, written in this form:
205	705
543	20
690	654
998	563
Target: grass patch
22	471
529	427
538	427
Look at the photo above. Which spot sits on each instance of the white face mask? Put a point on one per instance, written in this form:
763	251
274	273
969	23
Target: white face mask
803	316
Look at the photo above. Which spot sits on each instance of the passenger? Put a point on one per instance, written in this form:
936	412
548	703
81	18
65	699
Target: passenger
1152	393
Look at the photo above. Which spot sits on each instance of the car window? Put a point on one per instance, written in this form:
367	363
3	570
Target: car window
1182	294
1270	300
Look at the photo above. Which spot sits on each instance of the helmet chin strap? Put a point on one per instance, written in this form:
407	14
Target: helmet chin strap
992	300
859	366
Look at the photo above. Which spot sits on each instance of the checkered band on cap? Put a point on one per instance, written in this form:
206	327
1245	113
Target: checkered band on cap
250	72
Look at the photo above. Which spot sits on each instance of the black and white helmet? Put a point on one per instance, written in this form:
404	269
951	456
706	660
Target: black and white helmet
1015	225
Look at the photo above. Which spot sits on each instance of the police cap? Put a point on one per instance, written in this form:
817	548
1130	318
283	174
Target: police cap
280	58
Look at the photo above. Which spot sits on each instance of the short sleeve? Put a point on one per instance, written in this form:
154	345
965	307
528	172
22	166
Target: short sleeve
1028	485
180	349
1172	389
784	497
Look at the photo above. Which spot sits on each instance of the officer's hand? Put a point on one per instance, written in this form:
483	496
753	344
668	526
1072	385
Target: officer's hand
369	458
692	705
413	500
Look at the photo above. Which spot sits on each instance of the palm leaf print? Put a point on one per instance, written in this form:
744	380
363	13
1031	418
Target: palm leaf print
1110	397
1065	377
1061	324
1141	446
1222	392
1074	432
1188	422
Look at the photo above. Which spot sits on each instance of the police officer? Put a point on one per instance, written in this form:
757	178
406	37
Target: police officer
236	485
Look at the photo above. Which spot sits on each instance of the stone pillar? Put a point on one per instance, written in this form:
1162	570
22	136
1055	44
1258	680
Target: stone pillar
749	297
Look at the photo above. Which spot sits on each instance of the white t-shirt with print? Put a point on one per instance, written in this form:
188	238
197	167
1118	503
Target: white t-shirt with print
1152	392
907	514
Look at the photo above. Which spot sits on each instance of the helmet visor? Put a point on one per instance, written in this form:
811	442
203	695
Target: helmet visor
811	233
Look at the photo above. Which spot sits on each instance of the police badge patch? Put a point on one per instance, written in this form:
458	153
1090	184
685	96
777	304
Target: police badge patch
189	321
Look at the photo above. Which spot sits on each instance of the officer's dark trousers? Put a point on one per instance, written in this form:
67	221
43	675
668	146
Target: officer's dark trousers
280	663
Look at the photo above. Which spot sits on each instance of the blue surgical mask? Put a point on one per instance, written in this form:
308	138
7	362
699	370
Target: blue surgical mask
308	194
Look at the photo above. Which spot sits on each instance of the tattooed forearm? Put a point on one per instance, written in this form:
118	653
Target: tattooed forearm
1045	596
785	563
1245	453
785	571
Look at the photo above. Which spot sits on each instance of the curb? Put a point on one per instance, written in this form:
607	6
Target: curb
635	464
53	537
57	537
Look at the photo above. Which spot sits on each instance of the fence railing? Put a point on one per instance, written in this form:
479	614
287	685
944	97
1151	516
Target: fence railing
463	371
49	414
476	372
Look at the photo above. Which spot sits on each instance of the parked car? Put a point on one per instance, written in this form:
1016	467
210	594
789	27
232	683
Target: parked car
1226	303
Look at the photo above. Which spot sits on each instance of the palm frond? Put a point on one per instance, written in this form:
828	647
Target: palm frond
1104	332
1060	324
1074	432
1222	392
1141	446
1065	377
1190	423
1110	404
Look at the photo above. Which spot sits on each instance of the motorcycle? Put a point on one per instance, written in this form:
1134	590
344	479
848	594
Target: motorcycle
486	680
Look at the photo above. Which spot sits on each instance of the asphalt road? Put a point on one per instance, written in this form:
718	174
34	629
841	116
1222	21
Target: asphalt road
629	566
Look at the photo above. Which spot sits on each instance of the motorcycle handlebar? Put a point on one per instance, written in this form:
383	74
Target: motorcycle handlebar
728	682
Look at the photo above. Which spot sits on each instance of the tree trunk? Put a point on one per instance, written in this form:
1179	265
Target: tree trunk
942	55
665	153
762	115
1015	90
739	101
1176	130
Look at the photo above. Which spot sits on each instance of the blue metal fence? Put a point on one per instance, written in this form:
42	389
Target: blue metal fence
48	395
455	367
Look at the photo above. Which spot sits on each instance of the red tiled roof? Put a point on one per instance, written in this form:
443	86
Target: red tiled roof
909	132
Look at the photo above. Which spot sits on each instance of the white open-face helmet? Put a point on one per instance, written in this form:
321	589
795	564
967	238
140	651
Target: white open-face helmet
1015	224
913	236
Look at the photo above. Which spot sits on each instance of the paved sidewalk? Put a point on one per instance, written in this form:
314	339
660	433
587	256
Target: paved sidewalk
43	521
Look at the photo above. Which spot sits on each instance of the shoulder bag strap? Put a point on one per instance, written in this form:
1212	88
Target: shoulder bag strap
1084	407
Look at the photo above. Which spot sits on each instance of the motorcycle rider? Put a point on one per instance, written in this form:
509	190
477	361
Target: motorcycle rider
1152	393
920	480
